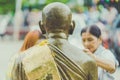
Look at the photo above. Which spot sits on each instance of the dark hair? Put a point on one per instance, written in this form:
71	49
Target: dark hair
93	29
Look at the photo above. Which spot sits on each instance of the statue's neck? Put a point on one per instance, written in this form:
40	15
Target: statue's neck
57	38
57	35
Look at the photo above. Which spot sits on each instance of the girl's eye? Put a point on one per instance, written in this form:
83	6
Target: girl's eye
90	39
83	40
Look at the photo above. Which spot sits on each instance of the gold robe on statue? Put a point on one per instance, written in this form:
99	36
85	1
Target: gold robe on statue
48	62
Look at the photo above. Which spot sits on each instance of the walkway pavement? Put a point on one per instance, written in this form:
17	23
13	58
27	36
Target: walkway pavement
7	49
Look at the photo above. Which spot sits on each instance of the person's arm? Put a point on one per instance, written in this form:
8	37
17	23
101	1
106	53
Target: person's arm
106	64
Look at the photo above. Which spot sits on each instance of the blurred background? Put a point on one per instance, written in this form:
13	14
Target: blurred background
18	17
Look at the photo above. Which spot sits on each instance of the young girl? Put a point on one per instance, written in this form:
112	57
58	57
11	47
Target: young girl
92	41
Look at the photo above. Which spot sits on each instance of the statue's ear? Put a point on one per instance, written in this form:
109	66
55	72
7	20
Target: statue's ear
42	27
72	26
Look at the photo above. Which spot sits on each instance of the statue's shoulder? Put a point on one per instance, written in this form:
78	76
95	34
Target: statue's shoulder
36	51
39	59
87	59
77	54
41	46
88	62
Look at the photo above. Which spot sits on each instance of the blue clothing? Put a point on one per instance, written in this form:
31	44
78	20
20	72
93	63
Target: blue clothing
105	54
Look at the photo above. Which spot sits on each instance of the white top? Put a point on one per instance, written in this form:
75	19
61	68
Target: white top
106	54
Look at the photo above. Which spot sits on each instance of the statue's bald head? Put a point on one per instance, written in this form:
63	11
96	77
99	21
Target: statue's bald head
56	17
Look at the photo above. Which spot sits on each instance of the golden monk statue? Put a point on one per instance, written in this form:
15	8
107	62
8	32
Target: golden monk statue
55	58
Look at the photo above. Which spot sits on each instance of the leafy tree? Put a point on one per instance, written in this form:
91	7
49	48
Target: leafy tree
63	1
7	6
27	4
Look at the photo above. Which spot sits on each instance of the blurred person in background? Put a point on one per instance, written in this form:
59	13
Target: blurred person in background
108	14
112	14
92	15
4	20
116	46
33	18
92	41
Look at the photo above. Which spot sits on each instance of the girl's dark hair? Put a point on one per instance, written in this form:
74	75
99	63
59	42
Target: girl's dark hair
93	29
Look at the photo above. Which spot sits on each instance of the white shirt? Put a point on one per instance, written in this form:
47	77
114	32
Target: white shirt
106	54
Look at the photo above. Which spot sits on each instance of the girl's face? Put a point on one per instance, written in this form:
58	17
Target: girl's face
90	41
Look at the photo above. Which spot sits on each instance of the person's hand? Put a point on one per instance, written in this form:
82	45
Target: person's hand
87	51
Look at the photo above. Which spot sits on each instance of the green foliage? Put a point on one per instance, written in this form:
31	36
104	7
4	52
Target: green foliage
77	8
37	5
25	3
50	1
7	6
88	3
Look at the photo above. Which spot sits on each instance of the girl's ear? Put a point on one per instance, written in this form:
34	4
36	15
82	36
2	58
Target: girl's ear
42	28
72	26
